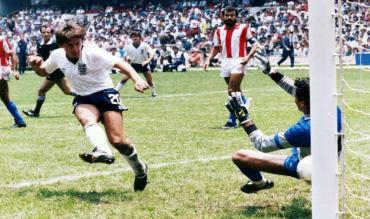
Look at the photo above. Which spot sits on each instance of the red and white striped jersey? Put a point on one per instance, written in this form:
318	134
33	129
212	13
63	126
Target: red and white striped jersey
232	41
5	49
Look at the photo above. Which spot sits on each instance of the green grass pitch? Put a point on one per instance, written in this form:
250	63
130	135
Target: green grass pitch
178	134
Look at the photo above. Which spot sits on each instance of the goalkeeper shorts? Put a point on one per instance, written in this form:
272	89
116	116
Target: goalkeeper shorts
291	163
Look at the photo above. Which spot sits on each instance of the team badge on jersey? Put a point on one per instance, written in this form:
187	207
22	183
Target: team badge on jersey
142	51
82	69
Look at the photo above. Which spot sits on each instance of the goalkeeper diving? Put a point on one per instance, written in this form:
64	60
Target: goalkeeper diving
297	137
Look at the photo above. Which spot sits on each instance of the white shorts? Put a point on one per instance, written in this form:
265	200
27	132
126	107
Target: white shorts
231	66
5	73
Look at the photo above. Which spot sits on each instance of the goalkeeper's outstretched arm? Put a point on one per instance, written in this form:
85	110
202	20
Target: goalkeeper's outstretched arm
264	142
284	82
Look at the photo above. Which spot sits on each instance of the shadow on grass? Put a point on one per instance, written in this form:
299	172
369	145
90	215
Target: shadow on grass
298	208
90	196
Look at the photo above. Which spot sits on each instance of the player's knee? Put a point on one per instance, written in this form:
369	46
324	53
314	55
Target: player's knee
41	92
241	156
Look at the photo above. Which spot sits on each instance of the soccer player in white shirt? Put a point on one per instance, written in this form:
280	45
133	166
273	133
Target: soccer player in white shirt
231	40
88	68
140	54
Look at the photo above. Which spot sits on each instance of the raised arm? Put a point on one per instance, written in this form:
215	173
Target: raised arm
283	81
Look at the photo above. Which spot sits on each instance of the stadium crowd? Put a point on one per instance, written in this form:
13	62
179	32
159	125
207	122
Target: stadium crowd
186	27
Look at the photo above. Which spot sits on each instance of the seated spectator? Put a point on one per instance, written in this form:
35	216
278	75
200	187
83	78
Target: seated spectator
196	58
177	60
165	58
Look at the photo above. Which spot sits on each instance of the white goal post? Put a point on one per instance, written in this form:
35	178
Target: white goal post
325	198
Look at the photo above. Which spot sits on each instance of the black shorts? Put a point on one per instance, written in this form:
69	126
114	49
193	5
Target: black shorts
140	68
55	76
105	100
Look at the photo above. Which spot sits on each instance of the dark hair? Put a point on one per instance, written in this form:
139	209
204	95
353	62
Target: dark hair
134	34
302	92
69	31
46	26
229	9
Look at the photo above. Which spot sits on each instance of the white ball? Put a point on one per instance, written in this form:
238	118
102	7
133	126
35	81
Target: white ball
304	168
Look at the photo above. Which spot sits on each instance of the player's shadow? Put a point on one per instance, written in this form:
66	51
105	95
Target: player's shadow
91	196
296	209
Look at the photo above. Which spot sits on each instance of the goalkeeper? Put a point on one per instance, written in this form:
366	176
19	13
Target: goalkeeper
296	137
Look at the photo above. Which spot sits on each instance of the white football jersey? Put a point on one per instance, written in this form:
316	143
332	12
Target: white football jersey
91	72
139	54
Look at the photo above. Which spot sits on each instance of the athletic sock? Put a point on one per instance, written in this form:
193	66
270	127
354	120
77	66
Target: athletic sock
12	108
135	163
232	118
97	138
39	102
254	175
120	85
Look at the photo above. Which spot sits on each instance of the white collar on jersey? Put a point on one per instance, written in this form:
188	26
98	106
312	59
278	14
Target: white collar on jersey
48	43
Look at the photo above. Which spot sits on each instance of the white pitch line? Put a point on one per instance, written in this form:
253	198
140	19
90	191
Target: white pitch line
76	177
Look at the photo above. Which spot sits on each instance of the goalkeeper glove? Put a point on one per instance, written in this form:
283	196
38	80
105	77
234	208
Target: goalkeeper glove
264	62
237	107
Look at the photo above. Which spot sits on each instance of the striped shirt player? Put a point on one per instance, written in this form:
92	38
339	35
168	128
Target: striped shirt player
232	40
7	66
233	43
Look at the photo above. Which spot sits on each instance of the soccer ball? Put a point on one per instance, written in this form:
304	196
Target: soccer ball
304	168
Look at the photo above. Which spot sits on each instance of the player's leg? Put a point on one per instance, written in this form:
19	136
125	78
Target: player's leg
88	115
10	105
43	89
65	87
291	56
113	123
234	85
121	83
231	120
149	78
251	163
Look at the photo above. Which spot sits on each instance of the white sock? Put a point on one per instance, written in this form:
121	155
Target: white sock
119	85
97	138
261	182
135	163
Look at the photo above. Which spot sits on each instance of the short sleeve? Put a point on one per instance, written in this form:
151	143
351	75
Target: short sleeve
249	34
217	38
150	50
50	64
6	46
102	58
